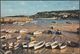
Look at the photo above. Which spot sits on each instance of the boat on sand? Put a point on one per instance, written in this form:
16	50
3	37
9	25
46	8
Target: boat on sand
54	44
39	45
48	44
62	45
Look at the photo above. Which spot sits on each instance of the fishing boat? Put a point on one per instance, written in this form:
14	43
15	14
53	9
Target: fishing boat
48	44
54	44
39	45
62	45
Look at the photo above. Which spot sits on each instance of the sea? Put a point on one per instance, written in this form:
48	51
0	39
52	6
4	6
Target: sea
48	21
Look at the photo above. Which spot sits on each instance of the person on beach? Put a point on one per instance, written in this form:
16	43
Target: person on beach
58	34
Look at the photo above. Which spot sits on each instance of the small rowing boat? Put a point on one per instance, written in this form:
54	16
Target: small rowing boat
48	44
30	45
62	45
54	45
39	45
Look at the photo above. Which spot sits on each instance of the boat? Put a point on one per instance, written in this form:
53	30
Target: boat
62	45
19	37
10	45
54	44
3	37
39	45
37	32
53	22
16	46
23	31
68	22
30	45
8	52
48	44
72	44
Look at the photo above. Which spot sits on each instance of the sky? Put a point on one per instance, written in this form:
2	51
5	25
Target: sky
11	8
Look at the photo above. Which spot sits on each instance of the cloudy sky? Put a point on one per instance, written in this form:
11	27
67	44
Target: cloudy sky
10	8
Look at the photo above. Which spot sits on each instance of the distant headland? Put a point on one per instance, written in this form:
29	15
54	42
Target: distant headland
58	15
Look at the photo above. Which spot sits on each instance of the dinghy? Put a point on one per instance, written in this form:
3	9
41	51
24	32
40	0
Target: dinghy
48	44
72	44
10	45
54	45
30	45
39	45
62	45
16	46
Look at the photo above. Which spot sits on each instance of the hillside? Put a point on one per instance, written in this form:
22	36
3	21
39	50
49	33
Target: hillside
69	14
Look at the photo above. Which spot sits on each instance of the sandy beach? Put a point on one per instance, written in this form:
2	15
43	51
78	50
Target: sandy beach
68	30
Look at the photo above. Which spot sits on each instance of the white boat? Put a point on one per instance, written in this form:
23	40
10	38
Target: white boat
48	44
30	45
3	37
3	45
19	37
16	46
23	31
62	45
72	44
10	45
8	52
39	45
54	45
37	32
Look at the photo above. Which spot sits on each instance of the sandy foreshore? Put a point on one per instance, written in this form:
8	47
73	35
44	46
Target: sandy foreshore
68	30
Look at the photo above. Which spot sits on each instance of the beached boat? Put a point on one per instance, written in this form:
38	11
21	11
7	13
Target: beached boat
62	45
16	46
72	44
3	37
3	45
10	45
19	37
39	45
48	44
37	32
23	31
30	45
8	52
3	30
54	45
